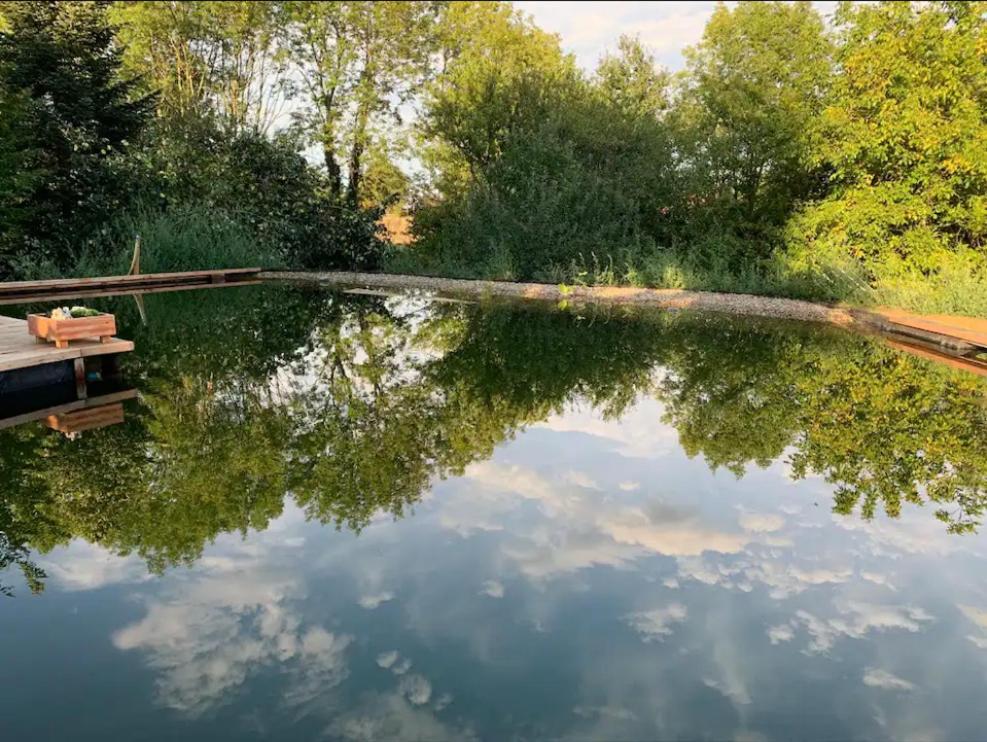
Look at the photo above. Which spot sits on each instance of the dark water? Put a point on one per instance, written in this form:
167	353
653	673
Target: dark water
331	517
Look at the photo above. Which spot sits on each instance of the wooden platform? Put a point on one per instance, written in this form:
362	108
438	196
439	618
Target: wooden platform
95	411
19	350
964	335
16	292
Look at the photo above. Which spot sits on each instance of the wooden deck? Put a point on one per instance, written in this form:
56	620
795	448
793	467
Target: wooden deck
95	411
15	292
19	350
962	333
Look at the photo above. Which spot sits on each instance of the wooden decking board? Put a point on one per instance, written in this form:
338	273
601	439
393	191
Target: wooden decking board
31	298
966	329
19	350
140	279
78	404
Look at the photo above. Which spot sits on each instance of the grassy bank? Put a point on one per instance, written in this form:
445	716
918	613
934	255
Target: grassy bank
957	286
184	239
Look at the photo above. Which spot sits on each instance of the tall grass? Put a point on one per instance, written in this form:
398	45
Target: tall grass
179	239
958	286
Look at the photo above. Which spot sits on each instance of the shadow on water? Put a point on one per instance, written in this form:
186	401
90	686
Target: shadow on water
353	406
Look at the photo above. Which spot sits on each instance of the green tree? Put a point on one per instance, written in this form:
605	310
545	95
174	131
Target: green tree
754	87
206	59
81	114
357	64
905	136
632	81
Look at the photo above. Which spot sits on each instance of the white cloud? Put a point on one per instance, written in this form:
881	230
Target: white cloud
856	620
656	624
370	602
589	29
416	689
761	522
634	435
629	486
581	479
977	615
390	716
386	659
85	566
208	638
782	633
876	678
493	588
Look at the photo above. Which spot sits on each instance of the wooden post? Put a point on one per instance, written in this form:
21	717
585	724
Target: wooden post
135	262
81	389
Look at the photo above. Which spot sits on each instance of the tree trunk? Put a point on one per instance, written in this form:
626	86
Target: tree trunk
356	153
332	166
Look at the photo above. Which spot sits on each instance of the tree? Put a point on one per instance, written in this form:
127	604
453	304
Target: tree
755	85
206	58
357	64
631	80
905	135
499	73
60	69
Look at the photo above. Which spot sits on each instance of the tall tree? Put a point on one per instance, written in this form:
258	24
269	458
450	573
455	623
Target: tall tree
754	86
358	64
204	58
632	81
905	134
60	59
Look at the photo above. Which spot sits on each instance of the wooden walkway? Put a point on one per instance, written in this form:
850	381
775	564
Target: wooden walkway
963	334
78	414
18	292
18	349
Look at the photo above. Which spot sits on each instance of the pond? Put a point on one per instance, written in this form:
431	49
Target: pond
347	517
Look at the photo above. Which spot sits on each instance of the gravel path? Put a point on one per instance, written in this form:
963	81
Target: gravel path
760	306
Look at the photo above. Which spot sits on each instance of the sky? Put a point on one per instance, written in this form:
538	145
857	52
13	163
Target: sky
588	29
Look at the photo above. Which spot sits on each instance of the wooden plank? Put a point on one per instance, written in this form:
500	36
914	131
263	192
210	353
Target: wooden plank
966	329
18	348
98	292
88	418
12	287
78	404
970	365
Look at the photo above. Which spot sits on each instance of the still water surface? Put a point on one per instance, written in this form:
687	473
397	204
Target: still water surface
337	517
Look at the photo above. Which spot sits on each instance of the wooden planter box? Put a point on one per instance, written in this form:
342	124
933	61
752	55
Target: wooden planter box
89	418
60	331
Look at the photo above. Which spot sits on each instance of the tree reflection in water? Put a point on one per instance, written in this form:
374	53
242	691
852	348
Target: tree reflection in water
352	406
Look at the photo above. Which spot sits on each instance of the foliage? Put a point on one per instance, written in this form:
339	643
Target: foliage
205	60
530	178
357	63
73	116
754	88
905	134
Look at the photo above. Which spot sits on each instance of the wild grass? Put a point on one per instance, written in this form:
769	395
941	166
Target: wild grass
180	239
957	286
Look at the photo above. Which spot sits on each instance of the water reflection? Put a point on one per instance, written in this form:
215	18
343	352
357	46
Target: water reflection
621	527
355	406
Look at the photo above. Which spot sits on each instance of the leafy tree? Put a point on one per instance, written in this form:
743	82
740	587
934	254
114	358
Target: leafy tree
358	63
206	59
20	169
754	88
632	81
905	135
61	59
538	168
